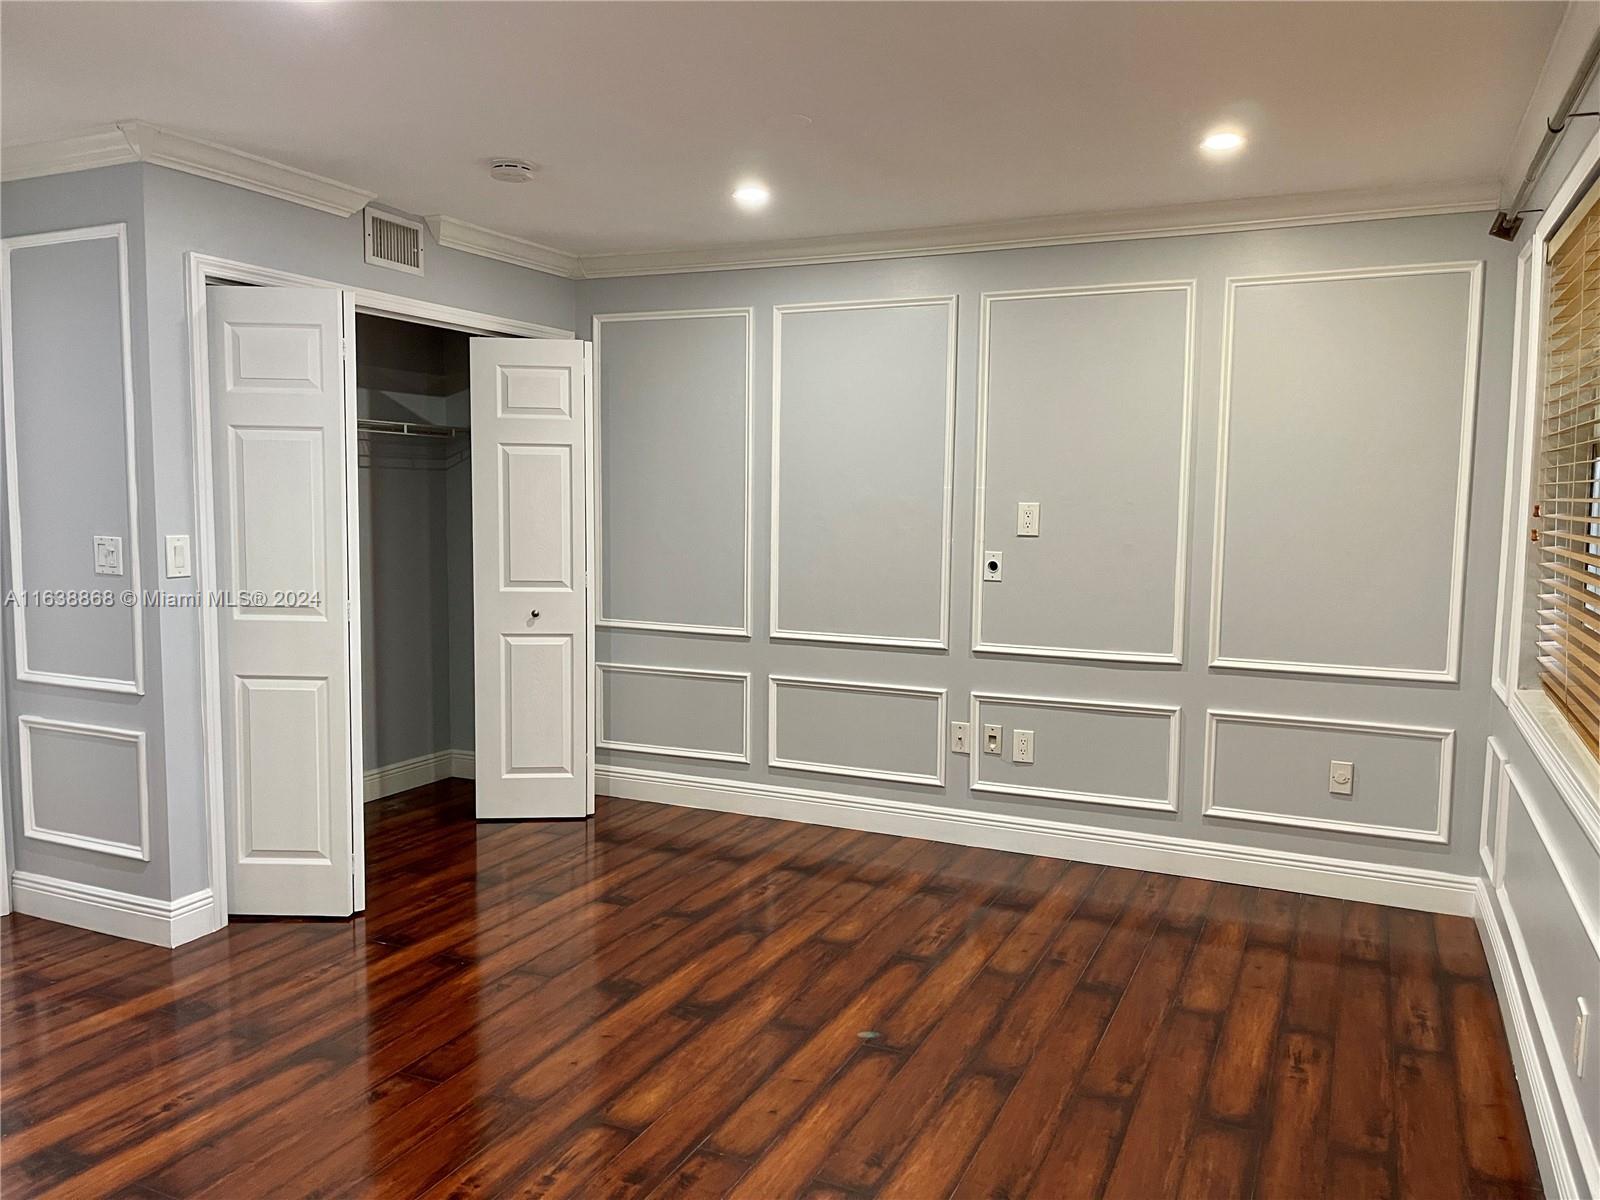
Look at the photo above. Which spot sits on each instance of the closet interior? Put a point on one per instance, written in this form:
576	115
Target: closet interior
415	488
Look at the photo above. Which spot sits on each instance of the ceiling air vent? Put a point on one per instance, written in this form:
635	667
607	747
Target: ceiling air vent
394	242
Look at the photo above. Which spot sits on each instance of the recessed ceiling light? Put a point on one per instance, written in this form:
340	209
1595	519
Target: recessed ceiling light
751	196
1222	141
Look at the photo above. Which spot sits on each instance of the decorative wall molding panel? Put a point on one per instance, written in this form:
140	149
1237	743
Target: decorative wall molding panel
1497	784
29	668
1346	734
1162	733
666	504
34	797
1143	383
605	740
875	733
831	511
1386	548
165	923
1140	850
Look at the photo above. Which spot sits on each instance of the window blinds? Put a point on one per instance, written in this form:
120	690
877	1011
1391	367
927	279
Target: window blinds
1567	496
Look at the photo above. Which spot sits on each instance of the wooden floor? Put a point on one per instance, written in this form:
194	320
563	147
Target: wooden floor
671	1003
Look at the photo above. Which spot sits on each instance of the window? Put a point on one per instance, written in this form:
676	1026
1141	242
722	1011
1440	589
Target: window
1566	492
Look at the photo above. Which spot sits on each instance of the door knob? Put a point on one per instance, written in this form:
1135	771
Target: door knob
534	615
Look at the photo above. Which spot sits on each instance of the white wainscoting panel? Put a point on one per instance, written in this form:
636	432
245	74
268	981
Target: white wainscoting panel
863	447
674	408
1344	464
1083	395
681	712
1273	769
879	731
1492	820
83	384
85	786
1085	751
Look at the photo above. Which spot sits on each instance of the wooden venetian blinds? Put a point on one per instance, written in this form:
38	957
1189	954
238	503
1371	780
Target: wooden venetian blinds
1567	499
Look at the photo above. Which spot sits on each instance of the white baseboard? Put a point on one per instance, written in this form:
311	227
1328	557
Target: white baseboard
160	922
415	772
1344	879
1540	1101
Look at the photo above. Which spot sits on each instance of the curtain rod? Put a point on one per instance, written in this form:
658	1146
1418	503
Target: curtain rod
1508	221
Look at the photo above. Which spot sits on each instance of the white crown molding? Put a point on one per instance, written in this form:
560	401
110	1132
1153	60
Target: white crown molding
519	252
1261	212
139	141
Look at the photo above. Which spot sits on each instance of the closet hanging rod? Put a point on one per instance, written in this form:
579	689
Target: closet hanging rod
410	429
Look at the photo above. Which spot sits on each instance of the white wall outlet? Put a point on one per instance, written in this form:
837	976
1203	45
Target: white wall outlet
1341	778
1022	745
107	555
991	739
178	565
961	737
1580	1037
1027	518
991	566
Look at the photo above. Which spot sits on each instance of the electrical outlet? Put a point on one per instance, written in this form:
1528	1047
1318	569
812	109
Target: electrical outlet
1022	745
1580	1037
1341	778
1027	518
991	739
991	566
961	737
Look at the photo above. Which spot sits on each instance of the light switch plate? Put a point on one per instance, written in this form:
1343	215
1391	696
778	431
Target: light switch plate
1341	778
1022	745
107	555
1580	1037
961	737
991	566
991	739
178	565
1027	518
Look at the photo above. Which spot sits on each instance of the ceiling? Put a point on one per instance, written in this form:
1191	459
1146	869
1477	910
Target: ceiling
862	117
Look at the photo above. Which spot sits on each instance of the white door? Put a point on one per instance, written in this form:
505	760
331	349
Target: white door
532	623
278	467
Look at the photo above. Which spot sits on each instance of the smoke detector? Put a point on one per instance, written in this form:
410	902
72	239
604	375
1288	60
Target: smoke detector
511	170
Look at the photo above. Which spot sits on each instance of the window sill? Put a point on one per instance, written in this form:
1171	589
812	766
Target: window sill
1569	763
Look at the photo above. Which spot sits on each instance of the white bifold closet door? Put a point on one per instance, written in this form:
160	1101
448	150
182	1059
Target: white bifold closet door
279	462
531	537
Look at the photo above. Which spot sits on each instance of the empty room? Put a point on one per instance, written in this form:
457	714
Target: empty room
646	601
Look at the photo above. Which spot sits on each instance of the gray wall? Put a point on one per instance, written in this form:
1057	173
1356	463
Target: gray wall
169	213
1103	403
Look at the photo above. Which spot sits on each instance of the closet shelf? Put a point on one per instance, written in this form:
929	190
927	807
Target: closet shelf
420	429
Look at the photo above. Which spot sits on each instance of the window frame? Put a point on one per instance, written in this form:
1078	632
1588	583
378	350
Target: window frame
1566	758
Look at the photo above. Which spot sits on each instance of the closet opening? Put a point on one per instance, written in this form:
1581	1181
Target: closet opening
414	489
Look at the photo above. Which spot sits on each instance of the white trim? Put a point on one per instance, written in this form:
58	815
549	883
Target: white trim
410	773
1229	216
1141	849
503	247
1492	841
199	269
1569	763
1538	1103
1180	590
742	677
106	148
8	421
942	642
1451	671
167	923
1446	738
31	827
1172	713
605	622
1522	364
352	612
774	682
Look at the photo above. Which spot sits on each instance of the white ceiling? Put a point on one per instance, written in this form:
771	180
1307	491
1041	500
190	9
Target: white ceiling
862	117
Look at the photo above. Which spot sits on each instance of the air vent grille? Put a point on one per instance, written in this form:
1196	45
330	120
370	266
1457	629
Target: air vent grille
394	242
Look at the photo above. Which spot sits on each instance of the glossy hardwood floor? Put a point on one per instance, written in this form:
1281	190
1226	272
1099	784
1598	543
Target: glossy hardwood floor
672	1003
